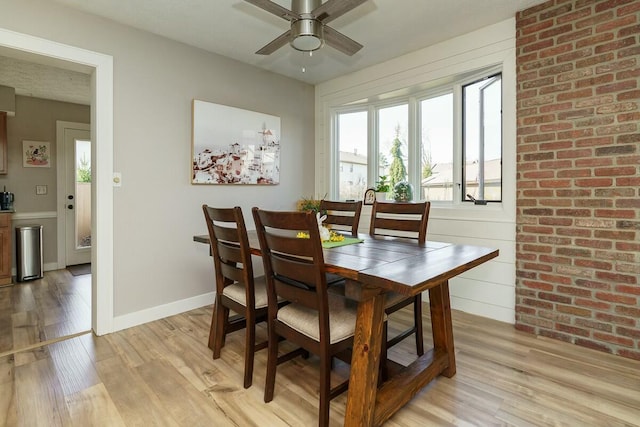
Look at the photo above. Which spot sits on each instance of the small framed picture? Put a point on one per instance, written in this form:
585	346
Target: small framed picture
36	154
369	196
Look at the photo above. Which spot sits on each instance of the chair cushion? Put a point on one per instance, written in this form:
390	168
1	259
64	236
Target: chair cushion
342	318
236	292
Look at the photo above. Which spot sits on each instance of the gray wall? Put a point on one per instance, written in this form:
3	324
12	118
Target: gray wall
35	120
156	211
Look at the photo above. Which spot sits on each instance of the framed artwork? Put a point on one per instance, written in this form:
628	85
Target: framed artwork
369	196
36	154
234	146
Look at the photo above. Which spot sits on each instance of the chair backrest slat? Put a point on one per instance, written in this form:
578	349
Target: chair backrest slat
344	215
230	248
294	267
411	218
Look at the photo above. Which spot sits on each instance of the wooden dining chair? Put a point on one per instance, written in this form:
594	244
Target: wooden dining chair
408	220
319	322
236	288
342	215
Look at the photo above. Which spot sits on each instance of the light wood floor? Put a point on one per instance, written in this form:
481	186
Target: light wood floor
162	374
43	311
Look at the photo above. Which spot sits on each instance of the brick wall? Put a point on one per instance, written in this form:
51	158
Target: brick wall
578	188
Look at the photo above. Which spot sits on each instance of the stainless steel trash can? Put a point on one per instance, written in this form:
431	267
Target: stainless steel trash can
29	252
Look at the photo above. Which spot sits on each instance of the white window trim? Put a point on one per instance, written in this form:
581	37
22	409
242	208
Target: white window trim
481	49
413	98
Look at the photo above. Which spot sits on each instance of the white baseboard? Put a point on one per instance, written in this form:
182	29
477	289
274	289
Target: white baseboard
154	313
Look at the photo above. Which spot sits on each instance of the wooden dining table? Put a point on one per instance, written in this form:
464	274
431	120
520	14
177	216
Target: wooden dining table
371	269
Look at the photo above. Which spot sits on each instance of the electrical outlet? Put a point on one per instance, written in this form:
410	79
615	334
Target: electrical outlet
41	190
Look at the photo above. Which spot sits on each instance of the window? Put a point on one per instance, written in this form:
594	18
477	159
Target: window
436	159
352	134
445	139
482	140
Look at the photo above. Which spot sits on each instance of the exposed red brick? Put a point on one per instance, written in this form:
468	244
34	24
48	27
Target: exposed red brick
595	19
629	354
572	290
615	45
593	345
576	311
573	16
618	278
634	6
628	311
595	40
615	213
593	203
588	302
627	342
582	93
615	235
619	320
630	95
616	23
578	154
594	182
574	173
593	60
629	52
633	290
573	330
592	243
532	284
553	260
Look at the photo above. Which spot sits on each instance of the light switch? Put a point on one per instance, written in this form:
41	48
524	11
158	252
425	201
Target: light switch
117	179
41	189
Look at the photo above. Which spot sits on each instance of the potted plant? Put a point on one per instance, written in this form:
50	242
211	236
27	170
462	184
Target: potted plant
309	204
382	187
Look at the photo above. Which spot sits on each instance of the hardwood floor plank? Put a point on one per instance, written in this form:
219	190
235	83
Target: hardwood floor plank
133	398
38	395
8	409
94	407
170	386
73	365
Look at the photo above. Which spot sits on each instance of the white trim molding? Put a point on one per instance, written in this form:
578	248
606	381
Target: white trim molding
161	311
34	215
102	146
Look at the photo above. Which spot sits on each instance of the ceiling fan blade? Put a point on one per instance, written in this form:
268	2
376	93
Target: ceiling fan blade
333	9
340	42
275	44
274	8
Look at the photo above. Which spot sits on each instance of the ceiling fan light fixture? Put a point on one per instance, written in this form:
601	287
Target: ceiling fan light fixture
306	35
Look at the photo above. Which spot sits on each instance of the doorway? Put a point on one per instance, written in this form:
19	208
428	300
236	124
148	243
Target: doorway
74	202
101	70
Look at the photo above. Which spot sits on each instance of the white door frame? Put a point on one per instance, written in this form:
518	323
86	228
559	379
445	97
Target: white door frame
102	161
61	175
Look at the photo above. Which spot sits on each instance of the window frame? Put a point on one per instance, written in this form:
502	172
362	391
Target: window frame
413	97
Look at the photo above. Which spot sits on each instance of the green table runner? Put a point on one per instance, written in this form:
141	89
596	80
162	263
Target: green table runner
346	241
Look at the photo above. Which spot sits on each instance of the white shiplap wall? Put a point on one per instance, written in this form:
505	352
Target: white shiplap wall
487	290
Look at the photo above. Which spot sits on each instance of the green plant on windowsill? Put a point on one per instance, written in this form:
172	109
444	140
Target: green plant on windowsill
382	185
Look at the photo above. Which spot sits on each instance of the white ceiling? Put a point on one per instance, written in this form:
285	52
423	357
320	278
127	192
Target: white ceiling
236	29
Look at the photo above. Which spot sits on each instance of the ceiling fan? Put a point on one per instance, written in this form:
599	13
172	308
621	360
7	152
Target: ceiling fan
308	30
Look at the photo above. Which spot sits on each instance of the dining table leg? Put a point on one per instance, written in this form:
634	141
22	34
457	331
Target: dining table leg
441	325
365	359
